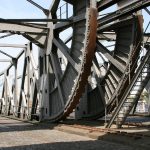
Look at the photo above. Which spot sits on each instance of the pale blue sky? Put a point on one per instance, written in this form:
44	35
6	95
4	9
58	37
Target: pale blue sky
22	9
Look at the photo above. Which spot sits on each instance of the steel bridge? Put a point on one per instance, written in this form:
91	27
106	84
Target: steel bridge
79	73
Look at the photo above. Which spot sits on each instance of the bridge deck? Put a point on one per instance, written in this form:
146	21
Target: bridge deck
16	135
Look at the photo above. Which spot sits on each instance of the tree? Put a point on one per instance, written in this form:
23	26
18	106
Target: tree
145	96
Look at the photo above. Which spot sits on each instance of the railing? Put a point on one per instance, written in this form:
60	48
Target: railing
63	11
24	112
127	92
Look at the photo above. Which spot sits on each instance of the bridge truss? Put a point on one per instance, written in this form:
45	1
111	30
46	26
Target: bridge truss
91	71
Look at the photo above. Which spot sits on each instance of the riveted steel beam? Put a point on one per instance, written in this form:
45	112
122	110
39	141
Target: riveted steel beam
30	32
125	11
103	4
108	55
12	45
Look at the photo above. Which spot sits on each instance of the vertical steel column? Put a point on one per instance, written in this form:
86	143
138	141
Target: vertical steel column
21	99
28	78
82	107
6	93
60	12
15	85
47	64
149	101
41	72
66	10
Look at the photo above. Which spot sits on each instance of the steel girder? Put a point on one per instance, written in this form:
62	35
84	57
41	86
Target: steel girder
109	80
24	101
58	91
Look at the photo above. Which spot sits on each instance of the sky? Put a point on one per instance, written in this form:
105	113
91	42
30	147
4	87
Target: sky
23	9
18	9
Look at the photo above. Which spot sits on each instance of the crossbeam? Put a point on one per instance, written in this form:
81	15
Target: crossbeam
124	11
147	10
27	31
33	20
107	54
112	36
103	4
12	45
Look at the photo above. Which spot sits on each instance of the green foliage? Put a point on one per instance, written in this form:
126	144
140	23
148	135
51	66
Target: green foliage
145	96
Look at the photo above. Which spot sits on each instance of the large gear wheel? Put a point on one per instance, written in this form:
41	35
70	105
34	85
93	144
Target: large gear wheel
66	87
112	68
60	86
